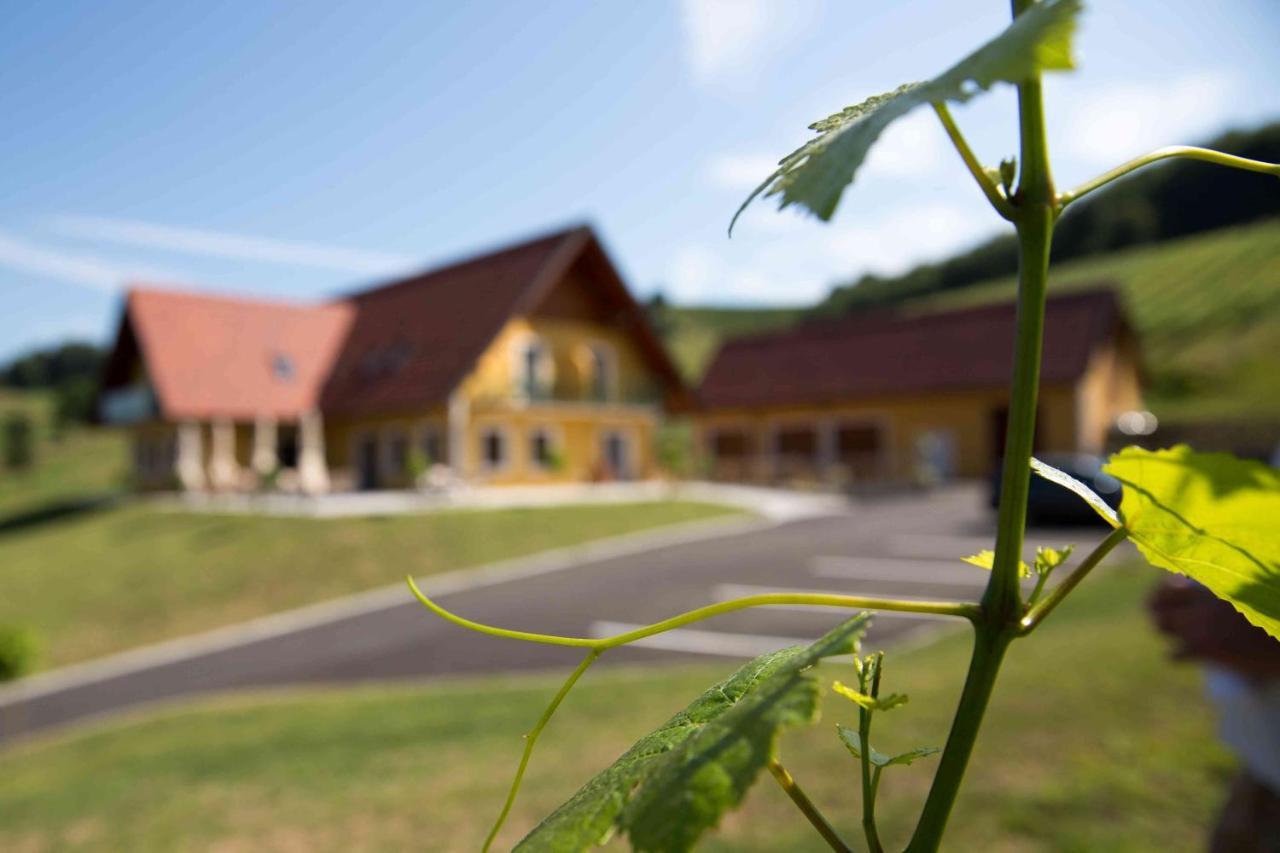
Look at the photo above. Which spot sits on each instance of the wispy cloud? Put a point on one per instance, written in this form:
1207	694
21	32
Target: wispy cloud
1122	121
73	268
222	244
728	41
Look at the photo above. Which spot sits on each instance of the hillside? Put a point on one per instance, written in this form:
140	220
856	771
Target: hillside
1170	201
1206	307
693	334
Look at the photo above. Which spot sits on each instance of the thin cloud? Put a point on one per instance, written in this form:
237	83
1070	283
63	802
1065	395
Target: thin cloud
82	270
728	41
221	244
1119	122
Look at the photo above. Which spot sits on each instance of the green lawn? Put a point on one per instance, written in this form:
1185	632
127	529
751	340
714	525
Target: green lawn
80	463
1206	307
107	580
1094	742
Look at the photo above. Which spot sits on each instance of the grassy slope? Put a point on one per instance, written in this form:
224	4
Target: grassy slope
82	462
1093	742
108	580
1207	309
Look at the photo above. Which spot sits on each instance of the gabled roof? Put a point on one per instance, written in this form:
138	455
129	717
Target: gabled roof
393	348
214	356
883	354
413	341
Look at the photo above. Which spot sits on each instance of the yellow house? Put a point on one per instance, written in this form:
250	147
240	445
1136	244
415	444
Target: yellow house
885	397
529	364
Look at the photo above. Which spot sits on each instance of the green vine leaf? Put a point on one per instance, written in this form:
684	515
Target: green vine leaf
852	742
815	175
676	783
1209	516
1062	478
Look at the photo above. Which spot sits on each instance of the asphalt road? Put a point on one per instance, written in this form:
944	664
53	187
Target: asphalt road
906	546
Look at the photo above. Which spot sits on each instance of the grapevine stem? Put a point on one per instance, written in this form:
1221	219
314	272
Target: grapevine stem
1191	153
532	737
1001	602
807	808
960	609
988	186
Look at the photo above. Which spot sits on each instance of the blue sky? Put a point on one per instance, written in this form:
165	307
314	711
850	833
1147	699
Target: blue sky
297	150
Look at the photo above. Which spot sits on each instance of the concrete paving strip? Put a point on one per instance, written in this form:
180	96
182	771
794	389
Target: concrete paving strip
729	591
693	641
899	570
393	595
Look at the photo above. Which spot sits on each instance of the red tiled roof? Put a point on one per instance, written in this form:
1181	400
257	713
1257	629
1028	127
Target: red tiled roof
392	348
883	354
414	340
213	356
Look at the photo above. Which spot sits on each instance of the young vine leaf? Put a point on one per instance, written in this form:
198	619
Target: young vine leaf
871	703
1048	559
986	558
1209	516
852	741
815	175
676	783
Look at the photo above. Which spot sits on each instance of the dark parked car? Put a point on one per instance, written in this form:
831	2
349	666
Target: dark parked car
1049	503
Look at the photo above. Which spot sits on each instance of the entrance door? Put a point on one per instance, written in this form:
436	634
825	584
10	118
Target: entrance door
367	462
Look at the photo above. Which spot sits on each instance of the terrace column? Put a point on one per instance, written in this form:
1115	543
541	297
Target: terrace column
313	473
459	415
264	446
224	473
190	464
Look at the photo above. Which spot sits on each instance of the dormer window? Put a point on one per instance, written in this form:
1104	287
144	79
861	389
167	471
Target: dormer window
282	367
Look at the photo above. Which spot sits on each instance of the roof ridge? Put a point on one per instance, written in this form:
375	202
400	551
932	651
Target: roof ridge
471	257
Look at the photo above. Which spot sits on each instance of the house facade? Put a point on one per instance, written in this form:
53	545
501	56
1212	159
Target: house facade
526	365
892	398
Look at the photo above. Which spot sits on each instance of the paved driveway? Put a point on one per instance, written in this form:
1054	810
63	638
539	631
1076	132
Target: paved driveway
905	546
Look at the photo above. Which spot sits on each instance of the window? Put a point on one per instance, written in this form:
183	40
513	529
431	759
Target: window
730	444
433	446
534	368
397	453
617	456
493	449
542	449
602	372
282	367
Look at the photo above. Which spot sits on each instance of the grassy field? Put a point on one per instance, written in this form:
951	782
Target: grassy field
1094	742
107	580
79	463
1207	309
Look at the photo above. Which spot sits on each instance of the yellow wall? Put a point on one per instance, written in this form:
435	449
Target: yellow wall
577	433
342	438
1112	385
965	418
498	369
